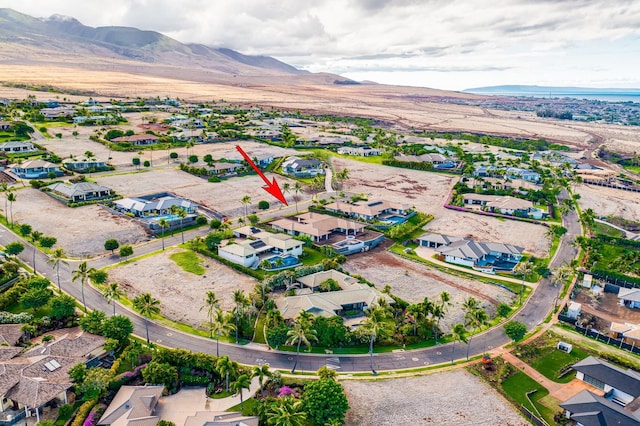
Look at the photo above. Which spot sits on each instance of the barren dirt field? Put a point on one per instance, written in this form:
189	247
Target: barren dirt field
413	282
223	197
177	289
428	192
454	398
80	231
609	201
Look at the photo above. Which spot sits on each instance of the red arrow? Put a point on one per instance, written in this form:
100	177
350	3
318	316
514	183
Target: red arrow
272	187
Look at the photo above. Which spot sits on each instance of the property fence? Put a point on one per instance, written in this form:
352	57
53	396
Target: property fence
532	417
611	185
604	338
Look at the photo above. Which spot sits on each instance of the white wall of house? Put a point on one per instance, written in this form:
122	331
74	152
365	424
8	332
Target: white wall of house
294	251
458	261
240	260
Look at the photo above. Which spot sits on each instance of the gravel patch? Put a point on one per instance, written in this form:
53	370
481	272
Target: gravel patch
452	398
608	201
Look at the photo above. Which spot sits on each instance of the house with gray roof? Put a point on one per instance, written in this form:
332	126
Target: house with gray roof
84	165
437	240
133	405
138	140
79	192
359	151
16	147
629	297
619	401
150	206
35	169
299	167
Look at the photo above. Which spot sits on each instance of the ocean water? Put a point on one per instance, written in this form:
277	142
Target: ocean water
592	96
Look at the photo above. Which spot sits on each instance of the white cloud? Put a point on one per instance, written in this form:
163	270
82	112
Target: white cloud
452	43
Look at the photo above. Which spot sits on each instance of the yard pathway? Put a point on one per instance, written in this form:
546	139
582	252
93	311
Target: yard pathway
427	254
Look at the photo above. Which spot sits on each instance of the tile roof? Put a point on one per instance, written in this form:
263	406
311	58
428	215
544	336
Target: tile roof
133	405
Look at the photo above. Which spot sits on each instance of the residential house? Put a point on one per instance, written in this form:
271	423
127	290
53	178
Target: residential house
85	164
59	112
504	204
241	253
221	418
225	169
298	167
257	244
351	300
615	401
629	333
360	151
133	405
30	379
154	205
138	140
17	146
5	125
510	172
317	226
35	169
629	297
330	141
78	192
439	161
369	210
484	256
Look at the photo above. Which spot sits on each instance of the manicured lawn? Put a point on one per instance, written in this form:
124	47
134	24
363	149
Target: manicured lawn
601	228
51	124
10	136
311	256
259	333
634	169
517	387
189	262
249	406
556	361
44	311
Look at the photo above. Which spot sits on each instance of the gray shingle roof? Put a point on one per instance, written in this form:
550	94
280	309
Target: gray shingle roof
628	381
593	410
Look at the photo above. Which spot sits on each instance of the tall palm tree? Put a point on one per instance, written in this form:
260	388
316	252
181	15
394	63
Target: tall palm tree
147	306
112	292
261	371
35	237
11	197
220	324
246	200
286	411
211	302
240	300
242	382
342	176
4	187
300	333
475	318
375	325
286	188
83	273
440	310
561	274
459	334
55	259
163	223
296	190
181	213
226	368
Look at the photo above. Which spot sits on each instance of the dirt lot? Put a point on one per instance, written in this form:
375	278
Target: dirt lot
181	293
413	282
428	192
608	201
607	306
460	399
80	231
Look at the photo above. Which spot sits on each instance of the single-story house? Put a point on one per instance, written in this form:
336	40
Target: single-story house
257	242
85	164
17	146
433	158
30	379
368	210
242	253
299	167
437	240
58	112
152	206
313	281
360	151
82	191
509	172
139	139
616	400
317	226
5	125
630	333
629	297
35	169
133	405
499	204
222	169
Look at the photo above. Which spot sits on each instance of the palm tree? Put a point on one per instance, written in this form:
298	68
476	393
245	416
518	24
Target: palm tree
376	325
240	300
181	213
55	259
35	237
147	306
246	200
163	223
11	197
226	368
475	318
261	371
211	302
5	188
220	324
561	274
242	382
83	273
112	292
286	188
440	310
459	335
342	176
286	411
588	219
300	333
296	189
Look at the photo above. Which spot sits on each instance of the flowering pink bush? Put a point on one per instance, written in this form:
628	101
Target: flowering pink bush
286	391
89	420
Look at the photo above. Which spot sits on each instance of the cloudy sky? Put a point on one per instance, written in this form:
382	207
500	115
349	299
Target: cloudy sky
446	44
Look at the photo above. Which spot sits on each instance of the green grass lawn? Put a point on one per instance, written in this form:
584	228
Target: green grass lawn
249	406
517	387
601	228
17	308
556	361
10	136
634	169
51	124
311	256
189	262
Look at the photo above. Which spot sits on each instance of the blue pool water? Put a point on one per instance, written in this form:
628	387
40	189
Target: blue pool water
396	220
166	217
288	261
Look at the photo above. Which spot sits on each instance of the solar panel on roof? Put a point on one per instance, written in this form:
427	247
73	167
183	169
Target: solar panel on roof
55	363
257	244
49	366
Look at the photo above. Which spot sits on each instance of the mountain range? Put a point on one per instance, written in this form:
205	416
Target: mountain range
60	39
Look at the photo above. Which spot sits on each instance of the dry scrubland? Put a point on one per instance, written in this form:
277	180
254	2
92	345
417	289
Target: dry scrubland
454	398
181	293
607	201
428	192
80	231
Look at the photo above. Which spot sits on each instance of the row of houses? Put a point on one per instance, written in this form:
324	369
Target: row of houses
39	169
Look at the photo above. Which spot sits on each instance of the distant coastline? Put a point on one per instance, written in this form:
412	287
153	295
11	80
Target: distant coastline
549	92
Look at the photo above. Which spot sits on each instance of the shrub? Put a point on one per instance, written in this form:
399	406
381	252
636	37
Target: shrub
263	205
83	412
201	220
193	158
215	223
173	155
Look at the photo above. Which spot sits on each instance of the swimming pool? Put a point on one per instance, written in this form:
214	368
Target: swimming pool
396	220
166	217
287	262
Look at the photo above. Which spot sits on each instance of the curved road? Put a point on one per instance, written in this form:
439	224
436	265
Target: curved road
532	314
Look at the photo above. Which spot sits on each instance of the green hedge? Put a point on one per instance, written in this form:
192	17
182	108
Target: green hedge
618	241
83	412
257	274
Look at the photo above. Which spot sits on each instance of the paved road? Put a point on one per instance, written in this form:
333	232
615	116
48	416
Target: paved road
534	312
